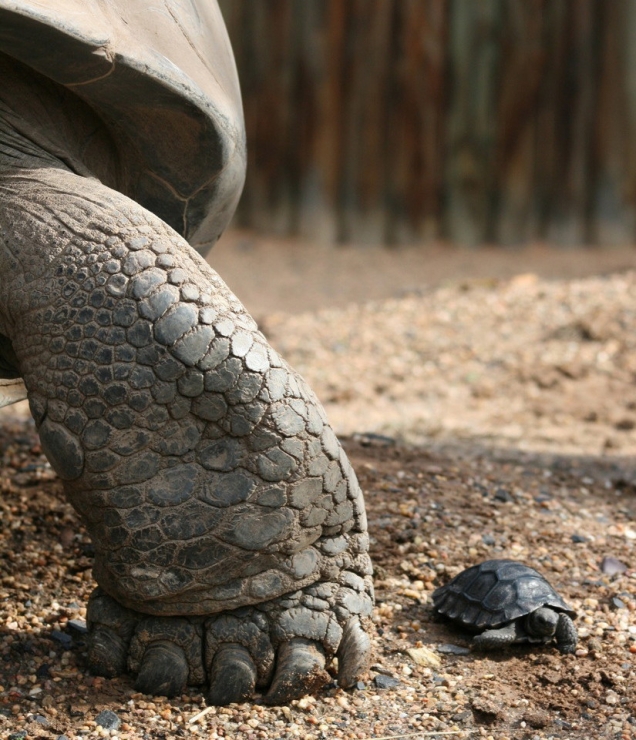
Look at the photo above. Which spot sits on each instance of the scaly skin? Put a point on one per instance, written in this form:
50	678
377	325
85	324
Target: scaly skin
227	520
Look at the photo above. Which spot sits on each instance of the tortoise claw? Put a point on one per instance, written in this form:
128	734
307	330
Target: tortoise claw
110	627
107	652
353	654
300	670
163	671
232	675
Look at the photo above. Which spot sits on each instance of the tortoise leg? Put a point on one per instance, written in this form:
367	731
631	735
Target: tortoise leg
226	518
498	638
566	635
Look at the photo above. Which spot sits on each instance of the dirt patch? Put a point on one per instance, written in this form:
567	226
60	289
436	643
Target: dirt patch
430	515
520	395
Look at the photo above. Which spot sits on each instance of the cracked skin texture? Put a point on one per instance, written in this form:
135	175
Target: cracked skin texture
201	462
229	527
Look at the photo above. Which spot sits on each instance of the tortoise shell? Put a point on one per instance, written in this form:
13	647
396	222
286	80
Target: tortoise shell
162	78
494	593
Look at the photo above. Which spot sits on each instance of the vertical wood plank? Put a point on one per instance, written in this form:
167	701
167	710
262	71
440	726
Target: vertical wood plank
613	210
566	128
523	69
366	64
416	112
474	50
404	120
321	27
262	39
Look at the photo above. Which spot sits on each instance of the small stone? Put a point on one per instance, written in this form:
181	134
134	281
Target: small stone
462	717
612	566
108	720
612	697
360	686
450	649
501	494
536	719
488	539
385	682
41	720
62	637
595	645
77	626
618	603
19	735
487	707
43	671
578	538
424	656
370	439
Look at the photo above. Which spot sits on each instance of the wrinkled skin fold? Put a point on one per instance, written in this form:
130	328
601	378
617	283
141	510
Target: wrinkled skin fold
229	528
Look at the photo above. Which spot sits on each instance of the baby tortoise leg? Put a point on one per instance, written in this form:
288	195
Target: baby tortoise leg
498	638
566	635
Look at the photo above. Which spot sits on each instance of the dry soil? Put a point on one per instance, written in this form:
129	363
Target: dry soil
489	407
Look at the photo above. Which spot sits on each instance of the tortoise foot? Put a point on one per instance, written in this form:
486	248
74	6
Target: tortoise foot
280	648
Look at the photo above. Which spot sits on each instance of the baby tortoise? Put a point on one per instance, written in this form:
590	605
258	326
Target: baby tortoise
507	602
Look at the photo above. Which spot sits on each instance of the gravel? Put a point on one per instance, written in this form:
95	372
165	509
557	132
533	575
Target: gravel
523	387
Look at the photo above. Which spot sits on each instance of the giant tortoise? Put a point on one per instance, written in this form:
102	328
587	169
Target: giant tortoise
229	528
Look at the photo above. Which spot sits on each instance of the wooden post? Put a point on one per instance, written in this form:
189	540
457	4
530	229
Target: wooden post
613	207
523	71
416	112
474	50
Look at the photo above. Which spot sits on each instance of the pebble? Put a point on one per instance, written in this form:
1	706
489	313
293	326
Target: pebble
62	637
501	494
385	682
612	566
451	649
537	719
424	656
450	536
108	720
77	626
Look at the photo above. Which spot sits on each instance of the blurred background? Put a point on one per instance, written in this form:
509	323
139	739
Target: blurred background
392	122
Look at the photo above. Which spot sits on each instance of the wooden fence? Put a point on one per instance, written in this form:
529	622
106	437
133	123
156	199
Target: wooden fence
398	121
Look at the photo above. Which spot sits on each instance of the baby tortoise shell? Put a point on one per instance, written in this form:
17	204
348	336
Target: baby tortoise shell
498	594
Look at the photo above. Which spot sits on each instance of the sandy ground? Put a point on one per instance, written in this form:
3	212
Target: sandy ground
489	405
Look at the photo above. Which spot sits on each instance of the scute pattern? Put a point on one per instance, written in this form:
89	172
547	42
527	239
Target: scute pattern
494	593
203	464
